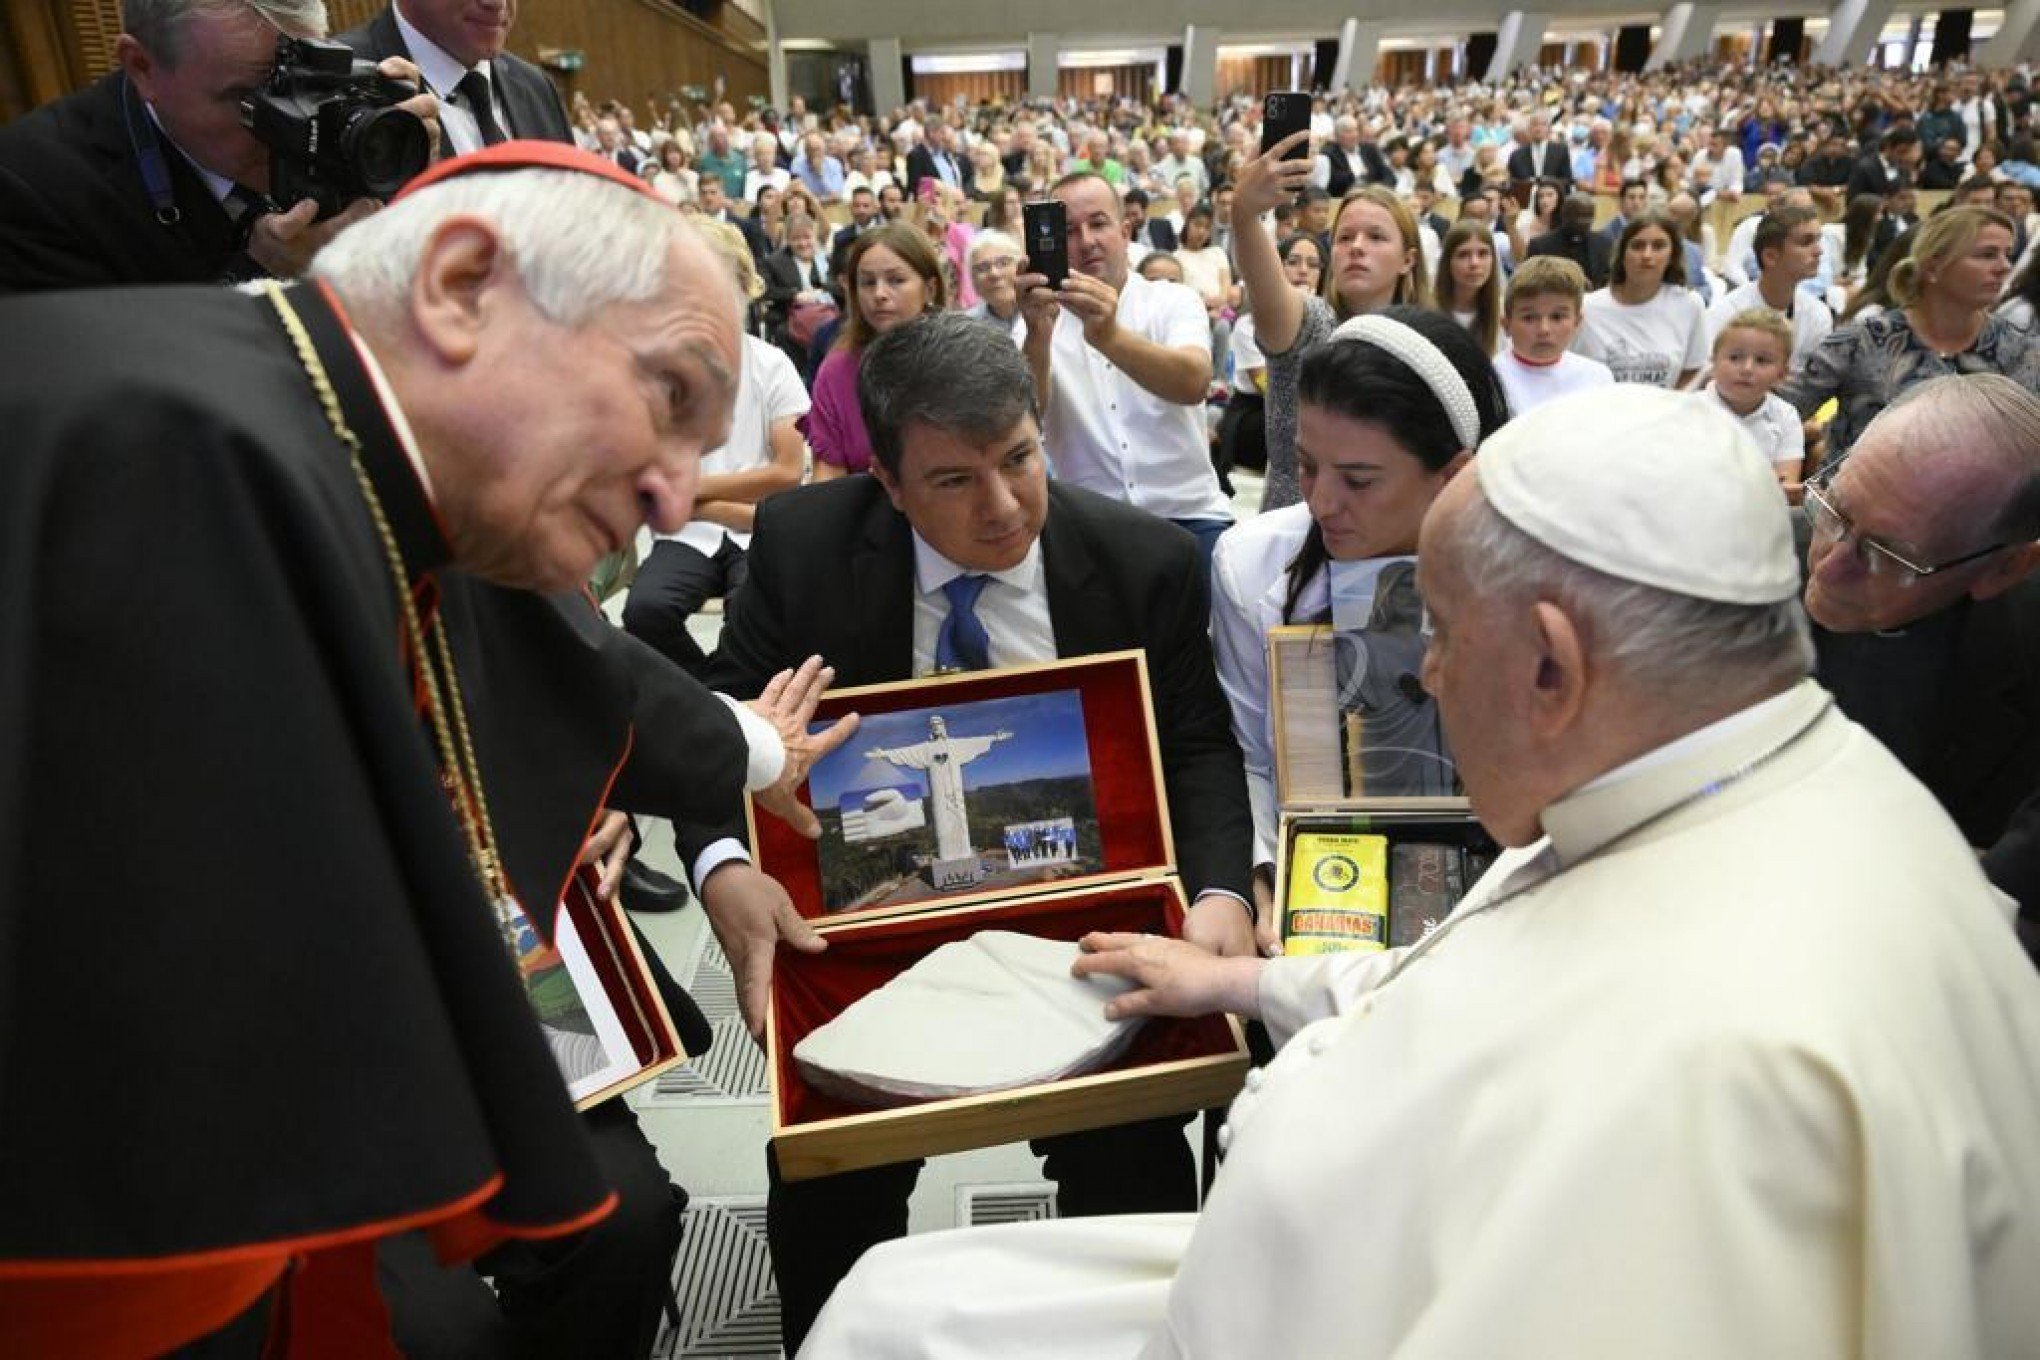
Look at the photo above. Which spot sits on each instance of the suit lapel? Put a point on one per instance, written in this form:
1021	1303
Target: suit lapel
882	594
1079	610
528	117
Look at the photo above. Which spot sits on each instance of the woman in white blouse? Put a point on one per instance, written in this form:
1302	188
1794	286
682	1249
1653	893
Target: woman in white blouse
1389	409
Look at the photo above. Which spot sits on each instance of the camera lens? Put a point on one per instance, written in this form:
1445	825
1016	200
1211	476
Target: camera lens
387	148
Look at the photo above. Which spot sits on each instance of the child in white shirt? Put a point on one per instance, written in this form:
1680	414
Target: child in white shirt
1541	317
1752	355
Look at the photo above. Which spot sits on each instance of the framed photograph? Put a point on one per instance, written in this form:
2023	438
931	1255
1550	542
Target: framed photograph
966	797
979	785
593	995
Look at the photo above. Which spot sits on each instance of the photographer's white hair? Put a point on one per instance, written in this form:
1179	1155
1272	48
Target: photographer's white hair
1680	649
578	244
158	25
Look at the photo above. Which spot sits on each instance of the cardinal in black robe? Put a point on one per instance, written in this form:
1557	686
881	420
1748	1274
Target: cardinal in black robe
255	1011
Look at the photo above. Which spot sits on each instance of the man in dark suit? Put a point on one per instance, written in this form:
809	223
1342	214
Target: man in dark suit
713	199
1541	157
863	217
1575	239
489	95
140	178
1891	167
958	551
934	158
1927	617
1353	158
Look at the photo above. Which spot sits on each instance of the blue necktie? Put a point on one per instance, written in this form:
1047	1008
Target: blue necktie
962	644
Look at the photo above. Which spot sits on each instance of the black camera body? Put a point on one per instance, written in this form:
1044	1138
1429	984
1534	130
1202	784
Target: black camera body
333	134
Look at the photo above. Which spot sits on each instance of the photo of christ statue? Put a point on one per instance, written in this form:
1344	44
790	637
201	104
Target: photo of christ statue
957	798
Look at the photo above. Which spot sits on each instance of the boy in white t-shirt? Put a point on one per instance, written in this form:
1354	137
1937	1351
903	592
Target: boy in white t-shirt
1541	316
1752	355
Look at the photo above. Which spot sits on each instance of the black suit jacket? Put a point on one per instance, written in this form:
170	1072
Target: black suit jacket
921	165
1160	234
529	100
1556	163
1340	177
784	279
1590	252
1870	177
832	572
1977	746
74	212
2013	864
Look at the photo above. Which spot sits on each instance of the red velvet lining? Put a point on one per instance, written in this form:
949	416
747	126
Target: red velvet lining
1117	730
810	989
630	991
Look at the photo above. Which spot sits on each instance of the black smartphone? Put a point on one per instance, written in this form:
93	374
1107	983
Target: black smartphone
1047	228
1282	113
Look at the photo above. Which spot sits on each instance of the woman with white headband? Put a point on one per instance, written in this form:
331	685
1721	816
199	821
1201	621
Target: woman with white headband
1389	409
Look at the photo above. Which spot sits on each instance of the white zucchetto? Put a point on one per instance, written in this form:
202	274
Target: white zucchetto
1648	486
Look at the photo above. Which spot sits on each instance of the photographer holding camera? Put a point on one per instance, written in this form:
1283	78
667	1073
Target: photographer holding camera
153	174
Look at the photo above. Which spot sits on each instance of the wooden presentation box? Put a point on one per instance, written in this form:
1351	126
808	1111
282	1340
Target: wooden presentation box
623	1036
1069	833
1311	779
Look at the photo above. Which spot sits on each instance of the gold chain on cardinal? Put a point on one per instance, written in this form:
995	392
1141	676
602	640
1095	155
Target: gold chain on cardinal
458	768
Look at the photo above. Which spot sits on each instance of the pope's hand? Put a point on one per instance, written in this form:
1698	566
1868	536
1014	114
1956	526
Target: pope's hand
750	914
788	703
1173	977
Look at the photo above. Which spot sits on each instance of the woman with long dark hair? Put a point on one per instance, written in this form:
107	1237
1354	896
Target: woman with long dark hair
1850	243
1468	287
1389	409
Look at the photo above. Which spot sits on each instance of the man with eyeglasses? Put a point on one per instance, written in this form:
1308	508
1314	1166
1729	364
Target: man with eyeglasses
1927	618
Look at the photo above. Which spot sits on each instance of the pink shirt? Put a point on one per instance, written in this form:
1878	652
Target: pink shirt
834	424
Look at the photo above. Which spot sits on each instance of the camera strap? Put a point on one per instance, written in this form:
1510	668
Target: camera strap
149	158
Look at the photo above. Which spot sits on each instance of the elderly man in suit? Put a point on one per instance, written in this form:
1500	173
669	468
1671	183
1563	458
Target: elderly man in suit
1927	617
138	178
486	94
959	551
1541	156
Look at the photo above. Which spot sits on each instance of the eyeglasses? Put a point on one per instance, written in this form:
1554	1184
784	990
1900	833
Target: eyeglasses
994	264
1878	559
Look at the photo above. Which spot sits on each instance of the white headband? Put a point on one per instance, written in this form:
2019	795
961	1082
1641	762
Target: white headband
1408	344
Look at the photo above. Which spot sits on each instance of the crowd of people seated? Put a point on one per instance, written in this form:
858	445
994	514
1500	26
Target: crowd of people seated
1685	196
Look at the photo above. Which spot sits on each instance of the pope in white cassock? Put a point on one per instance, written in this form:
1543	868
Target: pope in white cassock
1732	1054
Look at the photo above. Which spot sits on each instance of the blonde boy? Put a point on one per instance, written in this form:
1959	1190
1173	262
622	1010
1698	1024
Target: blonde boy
1541	316
1752	355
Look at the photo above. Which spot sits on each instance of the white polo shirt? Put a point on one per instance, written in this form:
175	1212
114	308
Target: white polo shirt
1107	433
1810	318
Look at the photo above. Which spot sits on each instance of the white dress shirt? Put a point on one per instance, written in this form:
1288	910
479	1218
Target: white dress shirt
1108	434
1013	608
442	77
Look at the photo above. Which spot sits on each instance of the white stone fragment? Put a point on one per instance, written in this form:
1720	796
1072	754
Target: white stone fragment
989	1013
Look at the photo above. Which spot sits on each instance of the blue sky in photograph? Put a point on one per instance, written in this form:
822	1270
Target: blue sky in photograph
1047	743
